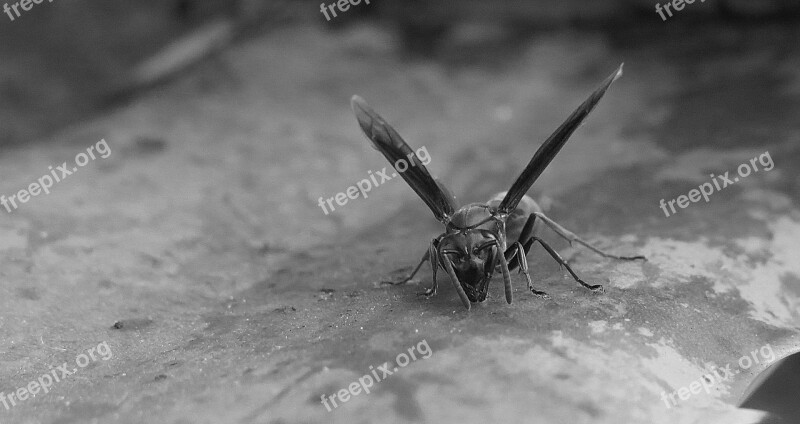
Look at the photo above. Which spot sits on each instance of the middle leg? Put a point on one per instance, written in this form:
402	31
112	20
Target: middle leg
518	251
595	288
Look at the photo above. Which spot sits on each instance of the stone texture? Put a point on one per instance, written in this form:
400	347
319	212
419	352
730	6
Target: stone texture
197	251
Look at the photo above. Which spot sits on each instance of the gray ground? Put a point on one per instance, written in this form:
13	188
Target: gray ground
198	253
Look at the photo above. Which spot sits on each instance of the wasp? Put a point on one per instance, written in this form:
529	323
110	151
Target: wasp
474	244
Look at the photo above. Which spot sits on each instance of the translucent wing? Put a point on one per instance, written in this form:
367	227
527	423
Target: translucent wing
552	145
391	145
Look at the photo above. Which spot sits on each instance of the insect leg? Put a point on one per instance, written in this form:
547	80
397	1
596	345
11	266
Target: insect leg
524	239
520	250
571	237
410	276
448	266
527	229
562	262
432	253
506	277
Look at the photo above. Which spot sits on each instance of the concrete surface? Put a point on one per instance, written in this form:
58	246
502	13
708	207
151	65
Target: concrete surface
198	253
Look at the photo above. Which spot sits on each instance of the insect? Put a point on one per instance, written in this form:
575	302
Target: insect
474	244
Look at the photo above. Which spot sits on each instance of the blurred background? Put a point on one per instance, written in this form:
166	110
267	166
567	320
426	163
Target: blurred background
198	250
55	73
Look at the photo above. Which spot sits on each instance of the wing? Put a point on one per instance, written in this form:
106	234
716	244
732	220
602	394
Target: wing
388	142
552	145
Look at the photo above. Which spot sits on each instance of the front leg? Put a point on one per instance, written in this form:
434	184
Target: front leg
506	275
448	266
432	253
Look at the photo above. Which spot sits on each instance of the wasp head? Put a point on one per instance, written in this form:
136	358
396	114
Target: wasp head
473	255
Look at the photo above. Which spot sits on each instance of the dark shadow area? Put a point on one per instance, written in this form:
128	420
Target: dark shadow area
776	391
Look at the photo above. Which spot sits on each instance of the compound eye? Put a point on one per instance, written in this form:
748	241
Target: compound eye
455	255
484	248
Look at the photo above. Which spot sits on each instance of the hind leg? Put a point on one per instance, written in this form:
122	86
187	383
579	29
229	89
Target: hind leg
571	237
